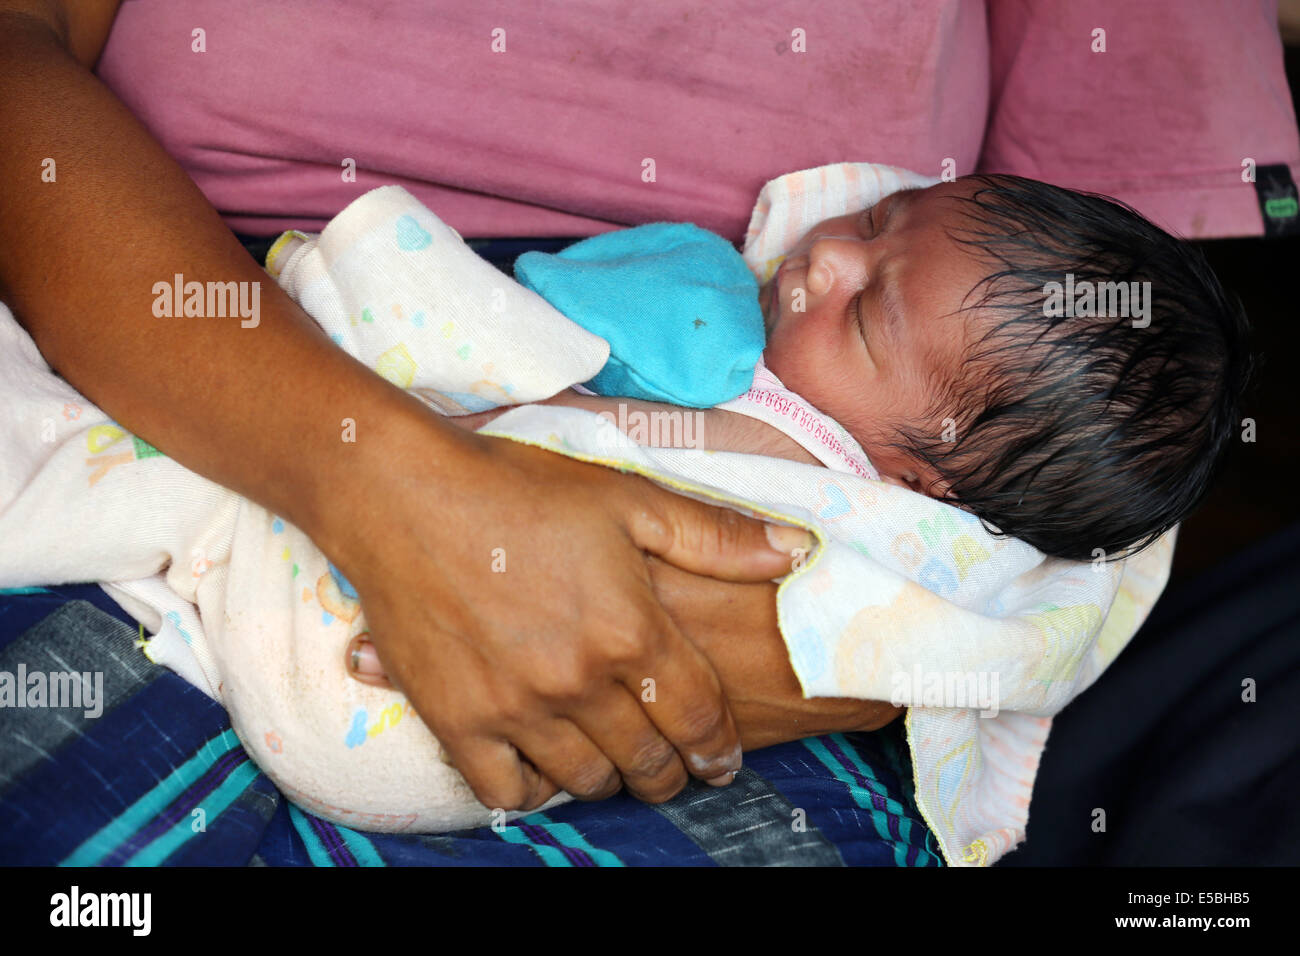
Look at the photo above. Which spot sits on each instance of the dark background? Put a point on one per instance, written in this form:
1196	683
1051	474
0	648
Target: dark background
1185	771
1254	498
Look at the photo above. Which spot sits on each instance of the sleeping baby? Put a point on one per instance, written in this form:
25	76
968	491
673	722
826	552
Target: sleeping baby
919	342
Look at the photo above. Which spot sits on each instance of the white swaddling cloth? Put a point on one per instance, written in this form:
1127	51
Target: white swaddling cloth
902	589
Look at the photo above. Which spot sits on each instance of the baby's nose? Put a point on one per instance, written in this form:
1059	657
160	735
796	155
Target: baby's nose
833	258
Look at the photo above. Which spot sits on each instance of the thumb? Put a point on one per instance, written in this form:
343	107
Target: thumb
363	661
717	542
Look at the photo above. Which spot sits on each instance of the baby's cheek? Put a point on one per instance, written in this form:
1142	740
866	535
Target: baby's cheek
774	356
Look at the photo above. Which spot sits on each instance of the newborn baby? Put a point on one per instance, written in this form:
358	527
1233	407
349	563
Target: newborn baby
932	327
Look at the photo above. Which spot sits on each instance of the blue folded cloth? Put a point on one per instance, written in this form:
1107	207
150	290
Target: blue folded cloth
676	303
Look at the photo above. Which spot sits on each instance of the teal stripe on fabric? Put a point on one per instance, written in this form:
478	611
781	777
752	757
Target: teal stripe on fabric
104	841
861	796
904	823
25	591
361	847
902	765
566	835
316	851
927	854
551	856
213	805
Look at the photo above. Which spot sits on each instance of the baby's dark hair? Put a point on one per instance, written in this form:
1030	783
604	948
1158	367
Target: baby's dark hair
1082	433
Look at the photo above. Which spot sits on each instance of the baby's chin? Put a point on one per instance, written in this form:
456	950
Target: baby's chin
790	374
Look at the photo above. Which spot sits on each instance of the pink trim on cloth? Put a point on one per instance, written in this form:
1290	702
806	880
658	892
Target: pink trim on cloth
824	438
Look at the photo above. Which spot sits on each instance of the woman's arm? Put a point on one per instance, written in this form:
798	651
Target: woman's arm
546	659
735	625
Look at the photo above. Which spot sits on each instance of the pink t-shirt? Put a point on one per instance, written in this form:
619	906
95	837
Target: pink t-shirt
544	119
551	136
1184	92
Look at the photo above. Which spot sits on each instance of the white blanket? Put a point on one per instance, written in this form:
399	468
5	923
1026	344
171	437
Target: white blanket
905	598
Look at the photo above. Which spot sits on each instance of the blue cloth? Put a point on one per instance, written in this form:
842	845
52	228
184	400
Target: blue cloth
160	778
676	303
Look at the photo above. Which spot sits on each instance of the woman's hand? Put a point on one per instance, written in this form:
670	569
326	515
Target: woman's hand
734	626
509	596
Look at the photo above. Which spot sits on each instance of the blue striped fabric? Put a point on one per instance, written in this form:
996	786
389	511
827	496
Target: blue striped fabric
159	778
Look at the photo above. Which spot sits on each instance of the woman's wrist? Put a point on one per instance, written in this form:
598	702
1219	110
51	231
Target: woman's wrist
396	446
260	402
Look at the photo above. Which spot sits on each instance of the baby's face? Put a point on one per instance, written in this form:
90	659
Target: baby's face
877	333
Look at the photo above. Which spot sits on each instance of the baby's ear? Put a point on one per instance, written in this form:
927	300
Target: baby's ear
937	488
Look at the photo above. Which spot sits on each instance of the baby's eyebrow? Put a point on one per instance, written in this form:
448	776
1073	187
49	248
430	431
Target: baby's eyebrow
898	200
891	299
891	302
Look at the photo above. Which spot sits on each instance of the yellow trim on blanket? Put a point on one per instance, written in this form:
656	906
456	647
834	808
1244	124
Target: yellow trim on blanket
145	646
916	791
277	247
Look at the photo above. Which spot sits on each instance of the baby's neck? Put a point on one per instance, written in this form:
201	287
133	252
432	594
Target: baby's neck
741	433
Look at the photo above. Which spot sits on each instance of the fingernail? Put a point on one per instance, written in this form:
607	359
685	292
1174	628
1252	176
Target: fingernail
723	780
788	540
700	765
364	659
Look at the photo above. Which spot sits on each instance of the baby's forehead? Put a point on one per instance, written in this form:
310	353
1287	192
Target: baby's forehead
944	285
941	201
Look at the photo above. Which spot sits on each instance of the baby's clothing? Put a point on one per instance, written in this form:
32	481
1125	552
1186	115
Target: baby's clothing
900	590
677	305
